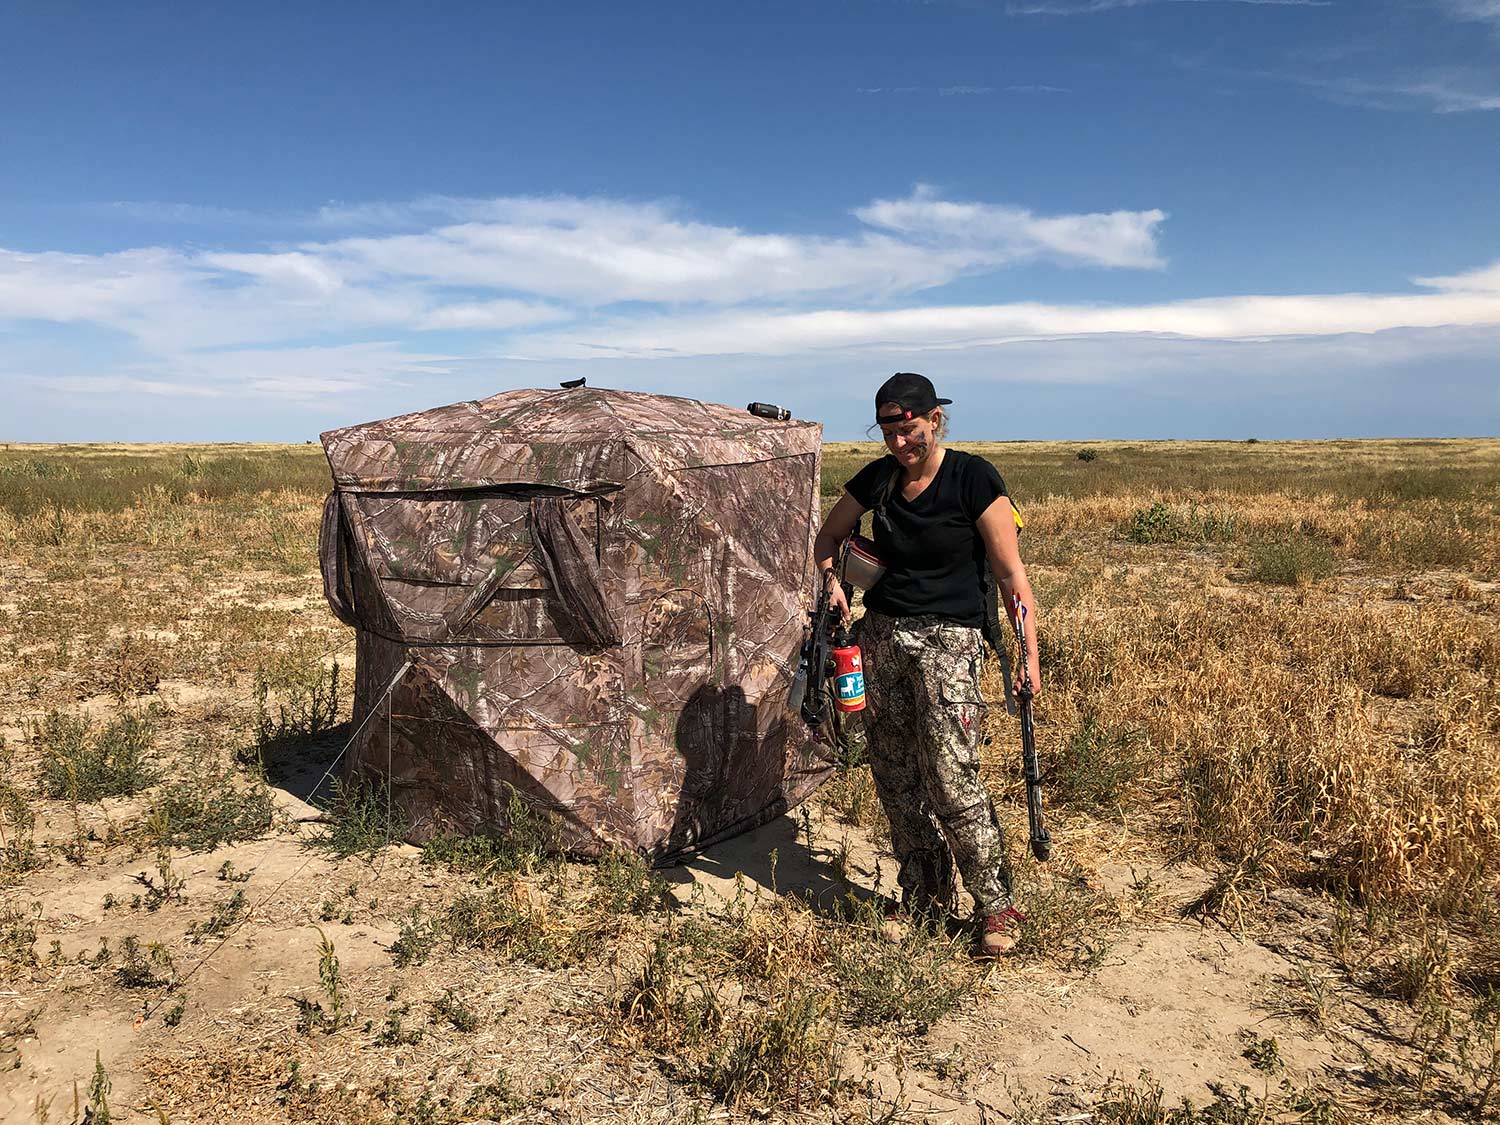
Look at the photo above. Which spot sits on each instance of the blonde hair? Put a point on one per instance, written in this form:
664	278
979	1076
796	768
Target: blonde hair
941	421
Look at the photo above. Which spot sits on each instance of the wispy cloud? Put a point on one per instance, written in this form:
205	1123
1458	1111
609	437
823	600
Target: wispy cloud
1089	7
961	91
1477	11
1465	299
1119	238
1438	92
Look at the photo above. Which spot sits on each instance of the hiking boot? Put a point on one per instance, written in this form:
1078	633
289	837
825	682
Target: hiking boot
999	933
901	919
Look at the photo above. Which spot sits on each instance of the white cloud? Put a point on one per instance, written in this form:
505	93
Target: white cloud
1121	238
1483	280
599	252
1443	92
494	315
304	371
474	273
122	384
1468	299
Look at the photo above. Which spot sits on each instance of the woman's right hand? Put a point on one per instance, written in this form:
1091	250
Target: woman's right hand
836	599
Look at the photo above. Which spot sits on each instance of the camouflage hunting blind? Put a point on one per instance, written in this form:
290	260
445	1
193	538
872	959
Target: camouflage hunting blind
601	594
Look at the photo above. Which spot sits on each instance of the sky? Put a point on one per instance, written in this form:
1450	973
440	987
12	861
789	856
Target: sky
1083	219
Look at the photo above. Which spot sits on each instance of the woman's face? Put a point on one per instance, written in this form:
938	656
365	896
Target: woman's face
911	440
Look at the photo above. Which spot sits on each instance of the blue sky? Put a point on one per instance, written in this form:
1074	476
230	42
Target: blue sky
1082	218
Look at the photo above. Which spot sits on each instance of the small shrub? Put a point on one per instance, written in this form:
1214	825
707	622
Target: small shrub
626	884
167	885
98	1111
225	915
82	765
395	1034
312	1015
1087	455
331	978
18	853
1479	1051
451	1007
133	665
1291	562
1096	764
909	984
139	967
1156	524
413	945
503	920
296	699
1067	920
1263	1053
18	940
212	804
781	1056
361	818
529	839
173	1015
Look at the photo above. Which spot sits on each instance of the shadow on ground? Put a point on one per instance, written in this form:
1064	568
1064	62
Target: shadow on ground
810	874
306	766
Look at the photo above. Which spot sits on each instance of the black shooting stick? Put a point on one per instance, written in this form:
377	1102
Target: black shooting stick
1041	841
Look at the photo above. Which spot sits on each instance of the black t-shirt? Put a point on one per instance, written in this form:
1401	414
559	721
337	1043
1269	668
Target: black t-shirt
934	554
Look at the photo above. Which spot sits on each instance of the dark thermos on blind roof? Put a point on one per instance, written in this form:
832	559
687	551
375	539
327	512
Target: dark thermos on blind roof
769	410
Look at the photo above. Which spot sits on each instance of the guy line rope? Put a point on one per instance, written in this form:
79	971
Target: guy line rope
385	696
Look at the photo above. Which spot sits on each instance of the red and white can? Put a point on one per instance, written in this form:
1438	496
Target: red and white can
848	679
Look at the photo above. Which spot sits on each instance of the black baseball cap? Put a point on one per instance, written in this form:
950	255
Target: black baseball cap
913	393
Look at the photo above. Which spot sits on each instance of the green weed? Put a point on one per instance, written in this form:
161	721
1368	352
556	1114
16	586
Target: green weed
150	967
452	1007
18	940
296	699
907	984
1096	765
211	803
360	818
504	921
626	884
224	916
781	1056
395	1033
18	853
529	840
1291	562
82	764
99	1085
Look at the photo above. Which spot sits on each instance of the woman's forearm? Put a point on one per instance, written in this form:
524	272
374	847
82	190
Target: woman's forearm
825	549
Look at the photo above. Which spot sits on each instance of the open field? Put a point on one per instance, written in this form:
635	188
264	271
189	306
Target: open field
1270	722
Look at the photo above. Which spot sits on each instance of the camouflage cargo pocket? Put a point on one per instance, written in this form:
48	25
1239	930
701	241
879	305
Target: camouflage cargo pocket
959	660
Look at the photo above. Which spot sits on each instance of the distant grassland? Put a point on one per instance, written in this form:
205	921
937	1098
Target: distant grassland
109	477
1379	470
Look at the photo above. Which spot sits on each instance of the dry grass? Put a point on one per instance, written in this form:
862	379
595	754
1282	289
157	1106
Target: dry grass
1288	677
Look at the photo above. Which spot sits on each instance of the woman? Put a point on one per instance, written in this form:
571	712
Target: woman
940	515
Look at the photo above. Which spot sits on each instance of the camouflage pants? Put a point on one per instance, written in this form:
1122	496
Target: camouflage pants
923	726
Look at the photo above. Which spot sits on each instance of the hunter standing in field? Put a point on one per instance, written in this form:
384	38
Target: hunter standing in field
939	515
